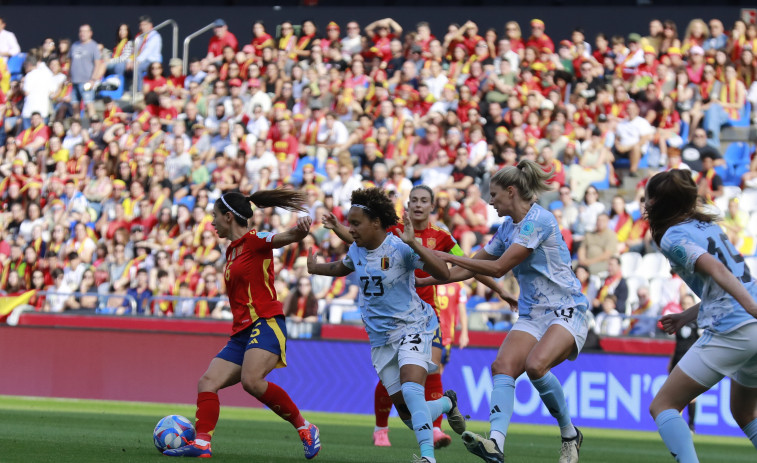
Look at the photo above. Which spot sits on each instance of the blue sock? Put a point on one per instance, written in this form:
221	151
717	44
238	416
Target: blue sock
414	395
438	406
503	400
676	435
751	432
553	397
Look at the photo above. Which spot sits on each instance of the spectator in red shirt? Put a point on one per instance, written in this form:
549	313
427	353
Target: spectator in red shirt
539	39
221	38
262	39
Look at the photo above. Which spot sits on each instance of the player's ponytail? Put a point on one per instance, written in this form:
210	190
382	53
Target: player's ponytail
527	177
239	204
285	198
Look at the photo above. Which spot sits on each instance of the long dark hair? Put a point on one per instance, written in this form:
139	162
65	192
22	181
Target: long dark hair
672	199
240	207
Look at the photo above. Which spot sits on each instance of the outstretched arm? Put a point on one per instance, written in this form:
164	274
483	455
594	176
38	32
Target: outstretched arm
296	233
455	273
332	269
433	265
514	255
330	222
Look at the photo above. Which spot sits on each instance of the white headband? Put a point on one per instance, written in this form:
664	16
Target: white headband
232	210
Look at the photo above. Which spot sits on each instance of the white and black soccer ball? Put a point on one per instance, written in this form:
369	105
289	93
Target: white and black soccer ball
173	431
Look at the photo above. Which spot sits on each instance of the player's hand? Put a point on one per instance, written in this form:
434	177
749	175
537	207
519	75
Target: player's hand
408	235
671	323
329	221
303	224
510	299
463	340
441	254
420	282
312	260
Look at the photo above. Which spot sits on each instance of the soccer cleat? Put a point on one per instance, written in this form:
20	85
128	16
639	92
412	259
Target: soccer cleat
417	459
455	419
311	440
441	439
570	448
484	448
381	438
192	449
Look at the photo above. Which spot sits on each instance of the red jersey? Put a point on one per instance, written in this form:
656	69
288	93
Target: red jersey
216	45
249	278
449	297
434	238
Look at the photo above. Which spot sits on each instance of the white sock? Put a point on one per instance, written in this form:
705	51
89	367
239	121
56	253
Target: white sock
436	428
499	438
380	428
568	432
201	442
307	424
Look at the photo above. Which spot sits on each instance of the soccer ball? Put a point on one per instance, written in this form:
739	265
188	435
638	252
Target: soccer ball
172	432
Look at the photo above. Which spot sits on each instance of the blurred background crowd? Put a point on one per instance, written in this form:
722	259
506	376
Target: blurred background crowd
106	199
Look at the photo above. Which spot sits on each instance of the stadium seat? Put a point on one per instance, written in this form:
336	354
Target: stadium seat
744	120
113	94
629	263
684	131
603	184
654	265
633	283
655	289
16	65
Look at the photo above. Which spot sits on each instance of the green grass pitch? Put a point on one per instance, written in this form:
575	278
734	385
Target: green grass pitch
52	430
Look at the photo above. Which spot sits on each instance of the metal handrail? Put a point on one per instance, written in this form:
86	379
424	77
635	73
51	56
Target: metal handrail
174	50
185	64
132	301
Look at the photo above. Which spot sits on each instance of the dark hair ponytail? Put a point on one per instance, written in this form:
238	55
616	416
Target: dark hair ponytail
239	205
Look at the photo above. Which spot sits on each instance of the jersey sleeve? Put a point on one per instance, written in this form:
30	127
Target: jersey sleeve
533	232
449	244
259	241
680	249
411	258
348	260
496	246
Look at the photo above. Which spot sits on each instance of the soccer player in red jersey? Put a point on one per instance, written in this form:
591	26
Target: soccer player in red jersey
258	339
420	205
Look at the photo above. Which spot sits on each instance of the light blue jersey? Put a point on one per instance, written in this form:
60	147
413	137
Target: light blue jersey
546	279
389	305
682	244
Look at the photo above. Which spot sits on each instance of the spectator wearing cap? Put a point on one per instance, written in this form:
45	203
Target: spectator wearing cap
257	97
632	59
538	38
148	46
222	38
176	78
695	64
332	38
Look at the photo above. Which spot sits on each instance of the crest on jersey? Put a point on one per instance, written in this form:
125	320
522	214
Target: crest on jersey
431	243
384	263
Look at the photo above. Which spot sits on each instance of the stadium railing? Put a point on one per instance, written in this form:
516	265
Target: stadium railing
100	298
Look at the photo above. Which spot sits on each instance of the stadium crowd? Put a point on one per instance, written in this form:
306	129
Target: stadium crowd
104	198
